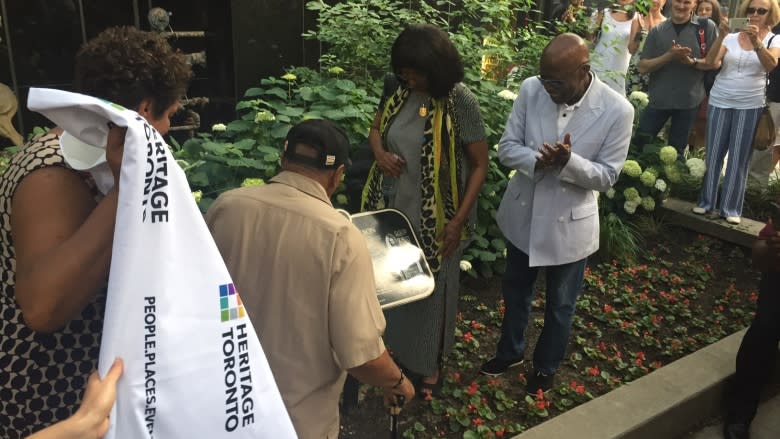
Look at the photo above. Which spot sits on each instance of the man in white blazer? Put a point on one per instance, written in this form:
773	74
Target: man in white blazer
567	137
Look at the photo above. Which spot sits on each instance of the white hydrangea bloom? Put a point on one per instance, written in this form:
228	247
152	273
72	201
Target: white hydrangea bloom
219	127
660	185
696	167
638	99
465	265
508	95
264	116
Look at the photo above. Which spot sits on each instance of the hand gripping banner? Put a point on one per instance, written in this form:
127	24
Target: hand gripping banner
193	365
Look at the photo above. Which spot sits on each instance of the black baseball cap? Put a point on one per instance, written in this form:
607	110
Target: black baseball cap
327	138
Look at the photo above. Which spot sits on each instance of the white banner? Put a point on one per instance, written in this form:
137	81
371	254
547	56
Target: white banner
193	365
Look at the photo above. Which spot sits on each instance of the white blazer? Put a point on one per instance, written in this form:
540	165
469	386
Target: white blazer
552	214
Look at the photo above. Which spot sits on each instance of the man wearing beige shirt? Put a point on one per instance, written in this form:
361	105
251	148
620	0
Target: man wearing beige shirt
306	280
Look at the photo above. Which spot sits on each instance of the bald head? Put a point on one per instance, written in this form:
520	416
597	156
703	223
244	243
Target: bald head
564	69
564	52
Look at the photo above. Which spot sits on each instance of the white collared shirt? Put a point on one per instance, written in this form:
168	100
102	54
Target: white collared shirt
566	112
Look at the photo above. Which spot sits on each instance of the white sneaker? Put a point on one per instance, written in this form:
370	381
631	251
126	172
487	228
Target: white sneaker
733	219
699	210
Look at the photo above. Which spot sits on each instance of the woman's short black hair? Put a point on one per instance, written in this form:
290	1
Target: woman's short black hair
428	49
126	65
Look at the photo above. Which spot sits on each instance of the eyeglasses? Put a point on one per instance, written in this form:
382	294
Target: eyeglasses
558	83
759	11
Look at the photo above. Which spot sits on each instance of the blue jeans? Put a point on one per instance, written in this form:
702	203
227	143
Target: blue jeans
564	283
653	119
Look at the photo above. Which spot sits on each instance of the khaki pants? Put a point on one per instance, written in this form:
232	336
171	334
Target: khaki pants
764	162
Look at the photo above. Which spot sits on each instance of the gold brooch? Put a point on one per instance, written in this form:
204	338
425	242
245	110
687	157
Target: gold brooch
423	111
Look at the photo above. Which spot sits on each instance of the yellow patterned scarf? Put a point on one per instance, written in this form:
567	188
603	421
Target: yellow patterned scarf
439	165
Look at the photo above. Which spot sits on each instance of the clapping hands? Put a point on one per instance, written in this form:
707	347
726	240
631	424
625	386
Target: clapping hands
680	53
554	156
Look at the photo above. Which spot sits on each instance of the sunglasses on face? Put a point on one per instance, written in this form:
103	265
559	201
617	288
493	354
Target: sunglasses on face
759	11
551	83
557	83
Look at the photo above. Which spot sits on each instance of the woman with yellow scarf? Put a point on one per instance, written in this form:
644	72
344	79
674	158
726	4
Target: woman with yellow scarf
431	159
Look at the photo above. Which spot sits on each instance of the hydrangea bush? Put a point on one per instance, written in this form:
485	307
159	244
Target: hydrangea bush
649	175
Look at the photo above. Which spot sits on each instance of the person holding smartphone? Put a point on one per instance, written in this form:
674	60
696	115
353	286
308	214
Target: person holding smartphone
735	104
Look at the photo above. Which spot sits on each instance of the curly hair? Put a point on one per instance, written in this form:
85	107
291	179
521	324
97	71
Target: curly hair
428	49
126	65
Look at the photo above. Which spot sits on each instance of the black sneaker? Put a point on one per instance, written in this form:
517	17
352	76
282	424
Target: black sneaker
736	430
496	366
539	381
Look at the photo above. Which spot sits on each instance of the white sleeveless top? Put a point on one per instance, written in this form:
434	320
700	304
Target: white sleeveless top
741	81
610	57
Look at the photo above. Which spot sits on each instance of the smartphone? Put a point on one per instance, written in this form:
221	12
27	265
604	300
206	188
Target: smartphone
737	24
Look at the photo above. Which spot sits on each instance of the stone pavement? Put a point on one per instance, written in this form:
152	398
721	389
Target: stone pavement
765	426
673	401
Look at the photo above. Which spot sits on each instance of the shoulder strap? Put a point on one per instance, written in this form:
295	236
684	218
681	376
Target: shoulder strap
702	25
766	84
766	77
599	22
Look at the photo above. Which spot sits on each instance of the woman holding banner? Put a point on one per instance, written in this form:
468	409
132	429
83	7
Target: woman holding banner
431	156
57	231
91	420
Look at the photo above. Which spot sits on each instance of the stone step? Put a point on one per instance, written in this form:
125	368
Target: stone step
680	213
667	403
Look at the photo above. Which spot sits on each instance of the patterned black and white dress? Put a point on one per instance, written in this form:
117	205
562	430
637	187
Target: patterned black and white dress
414	331
42	376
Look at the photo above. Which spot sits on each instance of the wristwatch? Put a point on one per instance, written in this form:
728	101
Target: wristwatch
695	61
759	46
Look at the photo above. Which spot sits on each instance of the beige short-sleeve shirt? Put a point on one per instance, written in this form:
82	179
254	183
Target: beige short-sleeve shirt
306	279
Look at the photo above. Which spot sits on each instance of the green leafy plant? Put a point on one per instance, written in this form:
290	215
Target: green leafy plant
487	38
487	251
618	237
649	174
358	34
250	146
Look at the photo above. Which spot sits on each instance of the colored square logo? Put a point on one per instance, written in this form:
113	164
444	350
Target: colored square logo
230	305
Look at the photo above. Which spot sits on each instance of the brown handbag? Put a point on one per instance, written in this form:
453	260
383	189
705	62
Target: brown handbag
764	136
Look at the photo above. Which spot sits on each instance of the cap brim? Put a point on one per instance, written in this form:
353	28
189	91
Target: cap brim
79	155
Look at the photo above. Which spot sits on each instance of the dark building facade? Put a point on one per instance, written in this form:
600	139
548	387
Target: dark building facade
234	44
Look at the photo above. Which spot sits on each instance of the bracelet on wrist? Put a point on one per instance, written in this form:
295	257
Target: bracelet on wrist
400	380
758	47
